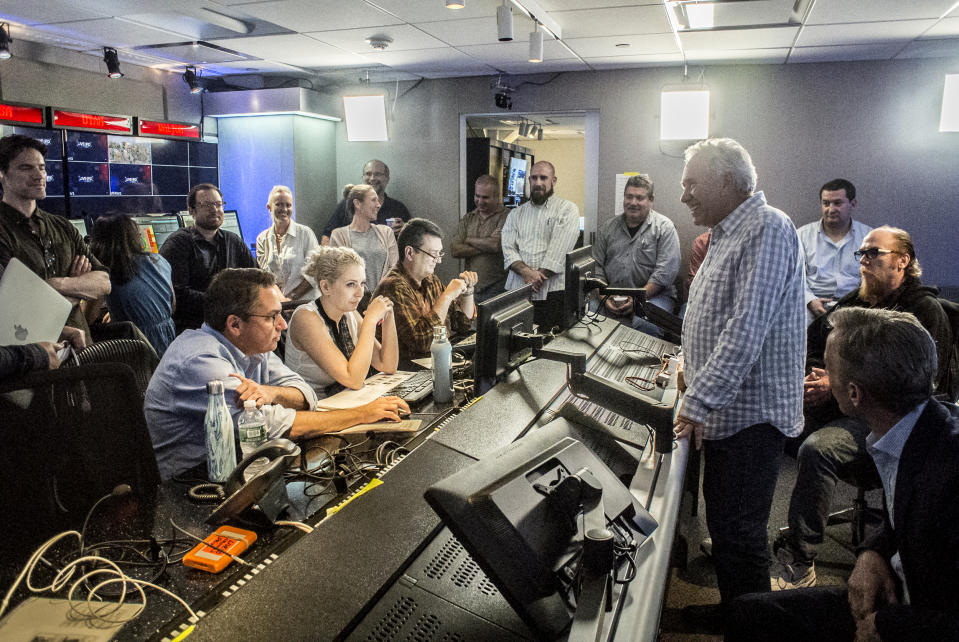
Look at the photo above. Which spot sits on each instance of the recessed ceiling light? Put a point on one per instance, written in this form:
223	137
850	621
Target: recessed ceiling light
622	45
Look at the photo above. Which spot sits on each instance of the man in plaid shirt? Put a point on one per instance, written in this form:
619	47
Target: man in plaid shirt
744	341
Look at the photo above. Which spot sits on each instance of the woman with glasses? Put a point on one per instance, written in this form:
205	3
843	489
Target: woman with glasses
329	343
141	289
375	243
283	247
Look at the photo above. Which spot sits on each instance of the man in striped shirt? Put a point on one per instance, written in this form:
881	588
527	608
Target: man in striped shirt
744	341
536	238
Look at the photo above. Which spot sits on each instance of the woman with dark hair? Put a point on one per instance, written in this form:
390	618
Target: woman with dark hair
141	290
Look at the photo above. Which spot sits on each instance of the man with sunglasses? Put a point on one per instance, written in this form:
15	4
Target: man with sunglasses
196	254
833	446
420	301
242	324
47	244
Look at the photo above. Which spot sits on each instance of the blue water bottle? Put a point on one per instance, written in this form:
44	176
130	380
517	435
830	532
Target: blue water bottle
220	442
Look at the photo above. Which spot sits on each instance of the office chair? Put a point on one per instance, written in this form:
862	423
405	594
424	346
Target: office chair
71	436
137	354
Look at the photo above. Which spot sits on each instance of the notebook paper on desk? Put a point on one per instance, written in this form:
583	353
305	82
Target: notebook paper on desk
373	388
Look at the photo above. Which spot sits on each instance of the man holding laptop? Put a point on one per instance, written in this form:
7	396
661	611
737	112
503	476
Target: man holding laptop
47	244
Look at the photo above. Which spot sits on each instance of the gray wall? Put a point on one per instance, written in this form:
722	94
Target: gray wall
875	123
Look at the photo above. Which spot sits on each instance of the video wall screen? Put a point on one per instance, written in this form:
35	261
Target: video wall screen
55	203
125	174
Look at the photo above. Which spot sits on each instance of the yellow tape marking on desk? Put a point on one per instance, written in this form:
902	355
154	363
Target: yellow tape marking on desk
185	633
370	486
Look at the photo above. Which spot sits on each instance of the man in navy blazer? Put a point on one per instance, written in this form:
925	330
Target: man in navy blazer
905	585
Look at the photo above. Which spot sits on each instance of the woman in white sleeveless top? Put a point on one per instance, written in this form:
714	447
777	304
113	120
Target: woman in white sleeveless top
329	343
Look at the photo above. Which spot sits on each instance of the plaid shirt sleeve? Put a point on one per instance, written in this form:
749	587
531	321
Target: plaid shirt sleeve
413	312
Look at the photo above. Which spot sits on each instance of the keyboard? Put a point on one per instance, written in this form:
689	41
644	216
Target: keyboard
466	345
415	387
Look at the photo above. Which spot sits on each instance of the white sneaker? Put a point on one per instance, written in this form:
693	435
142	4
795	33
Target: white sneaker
787	573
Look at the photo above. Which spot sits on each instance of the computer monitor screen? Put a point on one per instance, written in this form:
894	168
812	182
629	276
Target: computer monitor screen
520	515
580	264
516	181
154	230
498	349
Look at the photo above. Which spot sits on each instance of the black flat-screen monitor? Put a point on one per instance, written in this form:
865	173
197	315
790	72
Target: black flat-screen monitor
521	519
580	264
498	349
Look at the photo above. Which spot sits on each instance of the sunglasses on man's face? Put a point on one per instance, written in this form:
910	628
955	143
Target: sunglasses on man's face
871	253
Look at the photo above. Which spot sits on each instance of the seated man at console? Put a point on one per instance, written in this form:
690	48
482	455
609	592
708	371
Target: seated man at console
835	445
881	365
241	328
420	301
638	249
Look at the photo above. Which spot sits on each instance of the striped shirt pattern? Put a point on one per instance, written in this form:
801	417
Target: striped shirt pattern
744	334
540	236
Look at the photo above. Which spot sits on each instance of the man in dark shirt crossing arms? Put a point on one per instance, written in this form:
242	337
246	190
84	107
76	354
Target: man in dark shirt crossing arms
198	253
47	244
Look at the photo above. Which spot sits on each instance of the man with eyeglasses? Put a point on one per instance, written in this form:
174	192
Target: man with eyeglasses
420	301
235	345
828	246
392	212
536	237
47	244
196	254
833	446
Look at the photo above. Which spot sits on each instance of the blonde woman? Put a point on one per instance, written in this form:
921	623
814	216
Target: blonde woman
329	343
283	247
375	243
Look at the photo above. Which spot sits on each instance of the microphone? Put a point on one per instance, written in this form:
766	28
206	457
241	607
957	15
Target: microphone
120	490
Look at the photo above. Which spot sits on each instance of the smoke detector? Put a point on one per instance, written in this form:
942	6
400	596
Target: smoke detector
379	43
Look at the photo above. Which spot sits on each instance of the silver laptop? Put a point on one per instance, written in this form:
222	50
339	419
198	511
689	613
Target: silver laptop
30	310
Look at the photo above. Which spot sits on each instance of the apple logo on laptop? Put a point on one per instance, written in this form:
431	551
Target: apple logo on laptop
19	332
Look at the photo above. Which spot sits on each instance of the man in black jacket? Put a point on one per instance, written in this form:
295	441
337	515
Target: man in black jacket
197	254
835	447
881	365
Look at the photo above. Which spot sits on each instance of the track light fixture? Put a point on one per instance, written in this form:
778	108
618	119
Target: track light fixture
539	133
113	62
5	41
504	22
536	44
191	78
523	128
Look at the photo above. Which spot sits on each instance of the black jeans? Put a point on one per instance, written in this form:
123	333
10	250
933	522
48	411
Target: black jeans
739	479
819	613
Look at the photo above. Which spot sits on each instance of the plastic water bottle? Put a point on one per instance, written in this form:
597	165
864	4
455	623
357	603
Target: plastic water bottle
220	443
442	353
252	429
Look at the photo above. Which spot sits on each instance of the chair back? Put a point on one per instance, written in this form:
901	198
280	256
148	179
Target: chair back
138	355
70	436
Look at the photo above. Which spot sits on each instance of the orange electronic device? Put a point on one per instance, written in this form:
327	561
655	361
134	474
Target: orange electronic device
231	539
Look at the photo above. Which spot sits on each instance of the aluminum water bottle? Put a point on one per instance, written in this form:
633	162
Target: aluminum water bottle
220	444
442	353
251	427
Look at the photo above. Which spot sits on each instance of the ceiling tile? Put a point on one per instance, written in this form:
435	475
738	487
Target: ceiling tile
612	22
448	59
844	52
738	39
293	49
405	37
506	52
638	45
547	66
944	28
114	32
836	11
32	12
434	10
572	5
753	56
642	60
862	33
320	15
945	48
475	31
